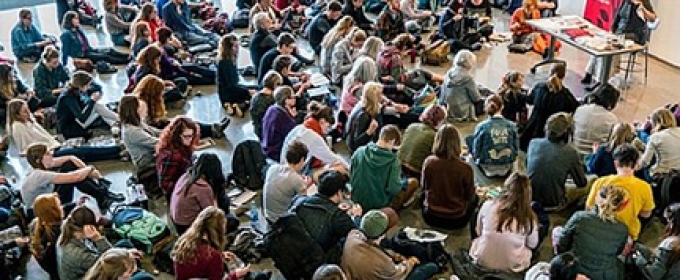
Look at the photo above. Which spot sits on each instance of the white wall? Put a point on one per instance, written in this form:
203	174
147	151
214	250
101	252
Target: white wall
665	40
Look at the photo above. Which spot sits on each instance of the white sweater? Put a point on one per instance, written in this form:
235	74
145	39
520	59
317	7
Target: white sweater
665	147
315	144
26	133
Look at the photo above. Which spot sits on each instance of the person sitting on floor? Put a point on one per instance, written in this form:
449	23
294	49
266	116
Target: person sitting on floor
262	100
507	228
662	262
234	96
149	65
422	18
448	183
79	112
322	24
459	91
12	87
177	17
84	8
27	41
549	176
265	6
376	177
117	263
418	140
344	54
391	21
355	9
118	19
601	162
283	182
50	76
564	266
70	173
139	138
149	15
174	151
173	68
639	193
75	45
285	45
278	121
662	154
495	144
366	120
283	65
340	31
524	37
363	258
515	98
140	37
262	40
450	28
593	121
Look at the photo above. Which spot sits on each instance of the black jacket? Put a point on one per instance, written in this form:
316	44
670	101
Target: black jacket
626	20
266	64
358	123
546	104
357	15
72	110
260	43
328	227
228	85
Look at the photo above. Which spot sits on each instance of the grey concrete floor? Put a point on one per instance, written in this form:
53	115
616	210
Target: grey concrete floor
493	62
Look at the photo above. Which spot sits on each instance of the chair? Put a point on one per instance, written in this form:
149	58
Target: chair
630	64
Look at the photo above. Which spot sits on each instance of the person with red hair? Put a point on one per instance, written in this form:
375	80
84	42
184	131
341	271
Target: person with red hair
174	151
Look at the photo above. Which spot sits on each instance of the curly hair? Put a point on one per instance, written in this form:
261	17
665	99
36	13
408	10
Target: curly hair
147	57
171	137
150	90
210	227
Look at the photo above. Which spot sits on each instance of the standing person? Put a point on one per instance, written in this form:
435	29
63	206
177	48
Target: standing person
355	9
495	144
80	244
283	182
448	183
593	122
75	45
70	173
262	100
459	92
391	21
322	24
376	176
200	187
27	41
597	236
630	20
200	251
548	98
549	176
78	112
278	121
234	97
174	151
507	228
418	140
49	77
119	19
640	201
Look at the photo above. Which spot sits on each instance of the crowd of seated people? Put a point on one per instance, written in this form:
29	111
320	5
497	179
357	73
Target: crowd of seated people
403	152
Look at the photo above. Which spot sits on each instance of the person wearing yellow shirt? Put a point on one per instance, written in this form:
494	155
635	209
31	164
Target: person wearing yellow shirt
639	200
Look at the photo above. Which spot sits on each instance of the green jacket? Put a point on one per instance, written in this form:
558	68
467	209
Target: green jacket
45	81
375	176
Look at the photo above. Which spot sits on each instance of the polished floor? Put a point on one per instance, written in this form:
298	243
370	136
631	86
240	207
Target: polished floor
493	61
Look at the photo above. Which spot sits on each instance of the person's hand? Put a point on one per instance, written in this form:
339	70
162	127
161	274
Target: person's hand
229	255
305	85
401	108
30	93
241	272
95	174
96	96
356	211
427	13
136	254
596	146
400	87
387	78
413	260
372	127
252	92
91	232
458	17
293	112
22	241
169	83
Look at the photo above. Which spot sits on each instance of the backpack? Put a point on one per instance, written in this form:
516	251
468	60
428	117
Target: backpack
247	244
432	251
162	258
294	252
143	228
436	53
219	24
241	18
248	165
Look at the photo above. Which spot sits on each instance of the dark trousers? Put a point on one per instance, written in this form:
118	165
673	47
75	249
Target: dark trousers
455	223
91	154
87	186
107	54
199	75
206	129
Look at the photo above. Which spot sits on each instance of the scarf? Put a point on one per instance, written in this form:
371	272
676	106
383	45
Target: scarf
315	126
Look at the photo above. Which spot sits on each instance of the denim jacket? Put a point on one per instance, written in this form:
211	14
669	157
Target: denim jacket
496	141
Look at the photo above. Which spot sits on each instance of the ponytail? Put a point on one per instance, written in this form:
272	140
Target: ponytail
611	200
557	74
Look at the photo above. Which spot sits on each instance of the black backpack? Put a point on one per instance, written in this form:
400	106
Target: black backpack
241	18
294	252
248	166
426	252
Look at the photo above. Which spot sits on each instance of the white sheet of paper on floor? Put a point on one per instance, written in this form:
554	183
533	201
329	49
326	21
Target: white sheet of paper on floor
318	80
243	198
319	91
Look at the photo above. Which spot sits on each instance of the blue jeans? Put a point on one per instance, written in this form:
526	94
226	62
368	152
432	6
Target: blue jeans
119	40
91	154
423	271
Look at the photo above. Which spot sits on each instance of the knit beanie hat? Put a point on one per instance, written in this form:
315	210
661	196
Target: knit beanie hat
374	224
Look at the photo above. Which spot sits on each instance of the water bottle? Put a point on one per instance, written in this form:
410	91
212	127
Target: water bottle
254	216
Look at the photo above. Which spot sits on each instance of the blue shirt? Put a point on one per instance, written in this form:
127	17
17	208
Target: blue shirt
178	22
24	40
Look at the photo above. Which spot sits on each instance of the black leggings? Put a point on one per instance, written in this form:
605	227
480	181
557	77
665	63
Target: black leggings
107	54
87	186
203	75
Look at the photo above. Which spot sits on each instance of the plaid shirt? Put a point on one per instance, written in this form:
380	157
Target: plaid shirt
170	165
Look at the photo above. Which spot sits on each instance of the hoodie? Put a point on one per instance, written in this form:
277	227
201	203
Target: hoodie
459	92
375	176
390	64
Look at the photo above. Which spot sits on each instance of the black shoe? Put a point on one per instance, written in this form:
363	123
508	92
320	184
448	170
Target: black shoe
587	79
593	87
115	197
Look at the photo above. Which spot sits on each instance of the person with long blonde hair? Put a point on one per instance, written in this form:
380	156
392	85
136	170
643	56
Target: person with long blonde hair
601	163
365	120
507	228
371	47
341	30
344	53
117	263
200	251
663	145
596	236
